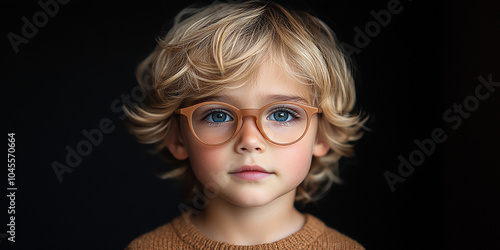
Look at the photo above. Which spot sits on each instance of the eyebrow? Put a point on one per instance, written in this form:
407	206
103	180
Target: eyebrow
215	98
269	99
286	98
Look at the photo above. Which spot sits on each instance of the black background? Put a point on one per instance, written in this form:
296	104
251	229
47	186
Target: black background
427	59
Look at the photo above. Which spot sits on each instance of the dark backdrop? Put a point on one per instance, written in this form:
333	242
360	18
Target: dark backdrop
75	66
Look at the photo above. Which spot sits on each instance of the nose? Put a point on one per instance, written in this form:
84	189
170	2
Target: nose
250	139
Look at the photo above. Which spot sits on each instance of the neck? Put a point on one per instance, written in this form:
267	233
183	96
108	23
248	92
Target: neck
227	222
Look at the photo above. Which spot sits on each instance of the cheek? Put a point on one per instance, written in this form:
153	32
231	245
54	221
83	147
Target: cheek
295	162
298	157
205	163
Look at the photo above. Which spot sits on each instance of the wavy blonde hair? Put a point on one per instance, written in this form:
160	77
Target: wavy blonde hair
222	43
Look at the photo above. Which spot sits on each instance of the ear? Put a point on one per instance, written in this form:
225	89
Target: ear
175	143
320	148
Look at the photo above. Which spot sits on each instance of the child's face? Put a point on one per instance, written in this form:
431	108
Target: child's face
217	167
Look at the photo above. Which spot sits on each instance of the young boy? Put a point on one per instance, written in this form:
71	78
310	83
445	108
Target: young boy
251	103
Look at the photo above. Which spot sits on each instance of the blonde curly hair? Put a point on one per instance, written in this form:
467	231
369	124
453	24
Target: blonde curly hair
222	43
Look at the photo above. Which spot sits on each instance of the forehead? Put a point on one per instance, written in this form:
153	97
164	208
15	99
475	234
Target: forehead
270	84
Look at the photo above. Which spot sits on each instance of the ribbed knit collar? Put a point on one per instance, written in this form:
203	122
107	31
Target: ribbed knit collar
188	232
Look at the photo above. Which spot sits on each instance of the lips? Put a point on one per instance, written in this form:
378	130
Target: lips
253	172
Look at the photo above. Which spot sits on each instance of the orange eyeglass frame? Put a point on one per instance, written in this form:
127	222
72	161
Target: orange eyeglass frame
241	113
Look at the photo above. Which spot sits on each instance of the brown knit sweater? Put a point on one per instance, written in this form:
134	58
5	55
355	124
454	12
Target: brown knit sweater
182	234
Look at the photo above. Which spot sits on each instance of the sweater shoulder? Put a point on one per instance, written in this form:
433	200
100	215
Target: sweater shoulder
333	239
163	237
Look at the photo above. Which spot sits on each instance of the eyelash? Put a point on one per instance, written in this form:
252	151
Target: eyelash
294	114
208	113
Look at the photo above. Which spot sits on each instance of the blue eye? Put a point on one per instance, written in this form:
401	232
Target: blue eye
218	116
283	115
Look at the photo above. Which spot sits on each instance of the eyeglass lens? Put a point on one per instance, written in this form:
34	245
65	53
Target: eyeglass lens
281	123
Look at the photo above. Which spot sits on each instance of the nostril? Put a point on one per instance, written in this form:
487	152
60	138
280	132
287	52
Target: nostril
258	149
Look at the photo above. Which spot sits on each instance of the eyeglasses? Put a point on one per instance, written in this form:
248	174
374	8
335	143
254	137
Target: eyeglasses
216	123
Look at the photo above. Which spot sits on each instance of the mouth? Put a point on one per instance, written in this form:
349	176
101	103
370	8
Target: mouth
251	173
